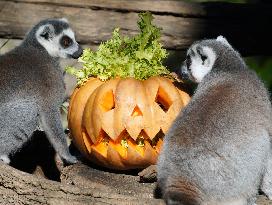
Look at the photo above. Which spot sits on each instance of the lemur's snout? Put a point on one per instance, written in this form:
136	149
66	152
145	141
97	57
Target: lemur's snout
184	72
78	53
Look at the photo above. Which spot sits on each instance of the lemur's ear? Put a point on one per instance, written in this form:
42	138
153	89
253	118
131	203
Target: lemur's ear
223	40
47	31
64	20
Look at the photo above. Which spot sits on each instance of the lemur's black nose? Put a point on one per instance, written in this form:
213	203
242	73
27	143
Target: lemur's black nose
78	53
184	73
184	76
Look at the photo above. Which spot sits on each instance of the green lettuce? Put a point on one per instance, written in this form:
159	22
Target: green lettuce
139	56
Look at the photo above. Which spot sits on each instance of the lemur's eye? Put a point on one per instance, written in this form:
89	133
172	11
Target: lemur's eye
66	41
188	61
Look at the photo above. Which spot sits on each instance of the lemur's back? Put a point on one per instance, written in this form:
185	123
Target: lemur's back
32	78
222	104
218	149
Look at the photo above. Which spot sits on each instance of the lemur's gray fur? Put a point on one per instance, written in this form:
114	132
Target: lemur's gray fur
32	87
218	151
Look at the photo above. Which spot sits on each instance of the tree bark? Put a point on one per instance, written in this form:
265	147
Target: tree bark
17	187
80	184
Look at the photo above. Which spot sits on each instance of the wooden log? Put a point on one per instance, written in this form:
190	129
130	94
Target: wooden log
162	7
244	25
125	183
18	187
82	175
80	185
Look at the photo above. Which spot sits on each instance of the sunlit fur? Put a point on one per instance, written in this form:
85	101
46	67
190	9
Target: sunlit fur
32	89
218	150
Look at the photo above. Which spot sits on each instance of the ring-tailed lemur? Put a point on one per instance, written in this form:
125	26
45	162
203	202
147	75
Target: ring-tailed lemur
32	87
218	150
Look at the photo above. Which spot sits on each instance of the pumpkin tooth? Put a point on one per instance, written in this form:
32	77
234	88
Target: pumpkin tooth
121	149
87	141
140	150
150	154
101	148
133	155
98	158
114	158
151	131
134	126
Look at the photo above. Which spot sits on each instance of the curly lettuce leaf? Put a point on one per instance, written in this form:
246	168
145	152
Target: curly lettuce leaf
139	56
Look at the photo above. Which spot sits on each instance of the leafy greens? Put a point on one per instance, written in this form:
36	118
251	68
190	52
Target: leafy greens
139	56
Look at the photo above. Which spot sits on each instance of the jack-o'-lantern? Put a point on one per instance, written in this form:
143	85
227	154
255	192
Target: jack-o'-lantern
118	117
120	123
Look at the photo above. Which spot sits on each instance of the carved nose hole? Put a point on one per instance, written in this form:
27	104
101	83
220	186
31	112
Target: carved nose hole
136	112
107	102
163	99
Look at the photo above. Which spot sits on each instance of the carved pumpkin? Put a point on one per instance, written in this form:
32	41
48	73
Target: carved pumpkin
120	123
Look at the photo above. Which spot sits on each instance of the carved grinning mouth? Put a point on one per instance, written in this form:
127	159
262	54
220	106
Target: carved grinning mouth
123	142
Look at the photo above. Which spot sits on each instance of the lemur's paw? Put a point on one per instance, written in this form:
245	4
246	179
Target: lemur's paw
5	159
69	160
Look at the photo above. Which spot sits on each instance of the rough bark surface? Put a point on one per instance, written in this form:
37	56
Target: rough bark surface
80	184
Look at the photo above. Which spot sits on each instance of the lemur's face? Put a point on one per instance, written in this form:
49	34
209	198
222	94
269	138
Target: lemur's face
201	57
199	62
59	42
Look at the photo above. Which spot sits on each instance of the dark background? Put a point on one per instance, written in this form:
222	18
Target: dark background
261	64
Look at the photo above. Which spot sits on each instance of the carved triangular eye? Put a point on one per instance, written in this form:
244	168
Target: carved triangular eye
136	112
107	102
163	99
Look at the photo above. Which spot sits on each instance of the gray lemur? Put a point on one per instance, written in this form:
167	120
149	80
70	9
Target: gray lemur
218	150
32	88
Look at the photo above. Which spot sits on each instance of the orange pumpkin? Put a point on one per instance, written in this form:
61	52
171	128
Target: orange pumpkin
120	123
